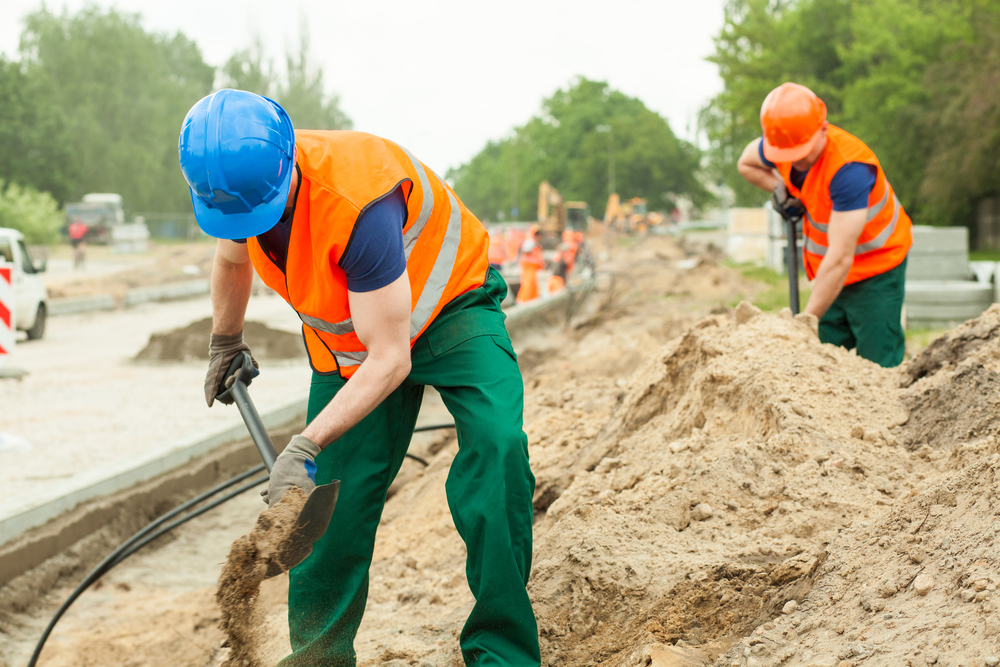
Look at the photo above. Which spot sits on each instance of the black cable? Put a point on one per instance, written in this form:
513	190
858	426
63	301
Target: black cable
150	533
187	517
132	544
432	428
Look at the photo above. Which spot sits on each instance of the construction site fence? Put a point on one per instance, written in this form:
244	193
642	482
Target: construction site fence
179	226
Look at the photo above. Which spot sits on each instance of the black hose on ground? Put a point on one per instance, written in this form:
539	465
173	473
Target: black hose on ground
143	537
154	531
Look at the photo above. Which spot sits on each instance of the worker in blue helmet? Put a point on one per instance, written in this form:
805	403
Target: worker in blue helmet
389	273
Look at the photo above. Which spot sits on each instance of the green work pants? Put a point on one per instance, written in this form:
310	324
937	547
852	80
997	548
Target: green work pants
467	356
866	315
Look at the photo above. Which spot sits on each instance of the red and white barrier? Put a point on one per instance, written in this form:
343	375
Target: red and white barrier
7	326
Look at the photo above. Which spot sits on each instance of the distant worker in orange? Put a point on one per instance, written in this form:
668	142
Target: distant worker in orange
78	239
531	262
497	256
857	234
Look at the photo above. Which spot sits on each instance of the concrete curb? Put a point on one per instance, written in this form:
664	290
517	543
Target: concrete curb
168	292
71	305
110	479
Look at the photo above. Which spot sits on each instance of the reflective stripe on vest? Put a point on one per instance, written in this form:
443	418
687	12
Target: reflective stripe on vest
436	282
876	243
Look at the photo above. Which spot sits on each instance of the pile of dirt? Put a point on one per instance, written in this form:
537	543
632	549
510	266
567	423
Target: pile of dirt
247	566
718	489
191	343
952	388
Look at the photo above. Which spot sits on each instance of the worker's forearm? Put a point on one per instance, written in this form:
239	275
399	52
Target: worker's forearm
374	380
828	283
761	177
231	285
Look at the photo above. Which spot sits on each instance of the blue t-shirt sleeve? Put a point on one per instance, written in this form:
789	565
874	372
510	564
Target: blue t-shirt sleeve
851	186
760	151
374	256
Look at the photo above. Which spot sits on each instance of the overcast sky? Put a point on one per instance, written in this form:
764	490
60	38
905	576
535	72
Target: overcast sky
442	77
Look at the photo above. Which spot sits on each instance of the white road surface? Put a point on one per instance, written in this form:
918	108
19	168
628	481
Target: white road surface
85	405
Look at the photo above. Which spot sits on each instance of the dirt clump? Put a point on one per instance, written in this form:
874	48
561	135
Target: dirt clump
191	343
246	568
974	341
916	586
952	388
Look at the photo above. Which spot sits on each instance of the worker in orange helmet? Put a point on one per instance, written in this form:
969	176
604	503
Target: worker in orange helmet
857	234
531	261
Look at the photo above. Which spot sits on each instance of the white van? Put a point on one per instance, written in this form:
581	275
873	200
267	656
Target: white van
31	299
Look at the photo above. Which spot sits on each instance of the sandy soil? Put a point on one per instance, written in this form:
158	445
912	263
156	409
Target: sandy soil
711	489
107	272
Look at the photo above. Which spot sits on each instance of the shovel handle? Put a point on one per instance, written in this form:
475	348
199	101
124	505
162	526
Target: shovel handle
242	368
793	265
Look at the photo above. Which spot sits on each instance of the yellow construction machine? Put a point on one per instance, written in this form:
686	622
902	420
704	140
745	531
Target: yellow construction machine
631	216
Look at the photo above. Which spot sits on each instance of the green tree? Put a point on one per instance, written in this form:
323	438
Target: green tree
122	93
963	125
302	91
570	144
249	69
35	214
33	134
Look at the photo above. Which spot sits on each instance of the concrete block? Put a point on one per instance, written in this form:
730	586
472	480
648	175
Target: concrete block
168	292
747	221
71	305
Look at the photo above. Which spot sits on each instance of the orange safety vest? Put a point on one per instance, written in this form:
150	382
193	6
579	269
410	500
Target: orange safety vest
887	236
343	173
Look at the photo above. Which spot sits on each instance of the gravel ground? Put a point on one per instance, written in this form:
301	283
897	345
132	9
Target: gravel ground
86	409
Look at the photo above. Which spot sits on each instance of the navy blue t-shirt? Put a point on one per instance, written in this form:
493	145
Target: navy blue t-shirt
849	189
374	256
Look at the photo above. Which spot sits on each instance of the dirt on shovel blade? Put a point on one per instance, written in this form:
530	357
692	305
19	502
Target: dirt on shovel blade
245	569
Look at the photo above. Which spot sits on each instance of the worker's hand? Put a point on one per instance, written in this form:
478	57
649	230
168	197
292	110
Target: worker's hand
222	349
788	207
810	321
294	467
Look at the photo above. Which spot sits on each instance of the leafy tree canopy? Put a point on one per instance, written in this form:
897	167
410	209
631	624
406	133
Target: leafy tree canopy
570	144
95	104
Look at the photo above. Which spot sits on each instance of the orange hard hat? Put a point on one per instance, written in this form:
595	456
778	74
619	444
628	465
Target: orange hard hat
791	117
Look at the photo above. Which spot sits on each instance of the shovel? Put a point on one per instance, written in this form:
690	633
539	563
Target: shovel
793	265
316	513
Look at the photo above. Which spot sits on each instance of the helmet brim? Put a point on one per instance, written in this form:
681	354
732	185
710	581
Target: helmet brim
242	225
792	154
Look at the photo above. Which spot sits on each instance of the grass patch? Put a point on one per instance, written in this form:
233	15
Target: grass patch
774	296
917	340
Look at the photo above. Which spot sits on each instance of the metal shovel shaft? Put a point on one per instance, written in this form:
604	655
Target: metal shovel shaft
793	266
241	396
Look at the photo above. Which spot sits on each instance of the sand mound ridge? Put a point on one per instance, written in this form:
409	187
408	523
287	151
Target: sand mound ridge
191	343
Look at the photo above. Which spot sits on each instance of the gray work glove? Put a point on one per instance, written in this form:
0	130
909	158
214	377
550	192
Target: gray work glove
222	349
788	207
295	466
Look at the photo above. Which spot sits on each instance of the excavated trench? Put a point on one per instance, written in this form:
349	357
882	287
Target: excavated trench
711	488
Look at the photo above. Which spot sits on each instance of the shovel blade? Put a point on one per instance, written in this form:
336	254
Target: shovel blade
312	524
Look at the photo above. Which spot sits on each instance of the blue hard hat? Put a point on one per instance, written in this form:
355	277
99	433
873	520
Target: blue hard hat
237	150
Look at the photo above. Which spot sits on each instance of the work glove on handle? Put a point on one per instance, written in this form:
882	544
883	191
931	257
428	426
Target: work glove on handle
788	207
222	349
294	467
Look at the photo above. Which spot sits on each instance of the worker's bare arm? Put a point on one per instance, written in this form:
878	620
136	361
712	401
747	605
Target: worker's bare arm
845	228
382	321
232	277
754	170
